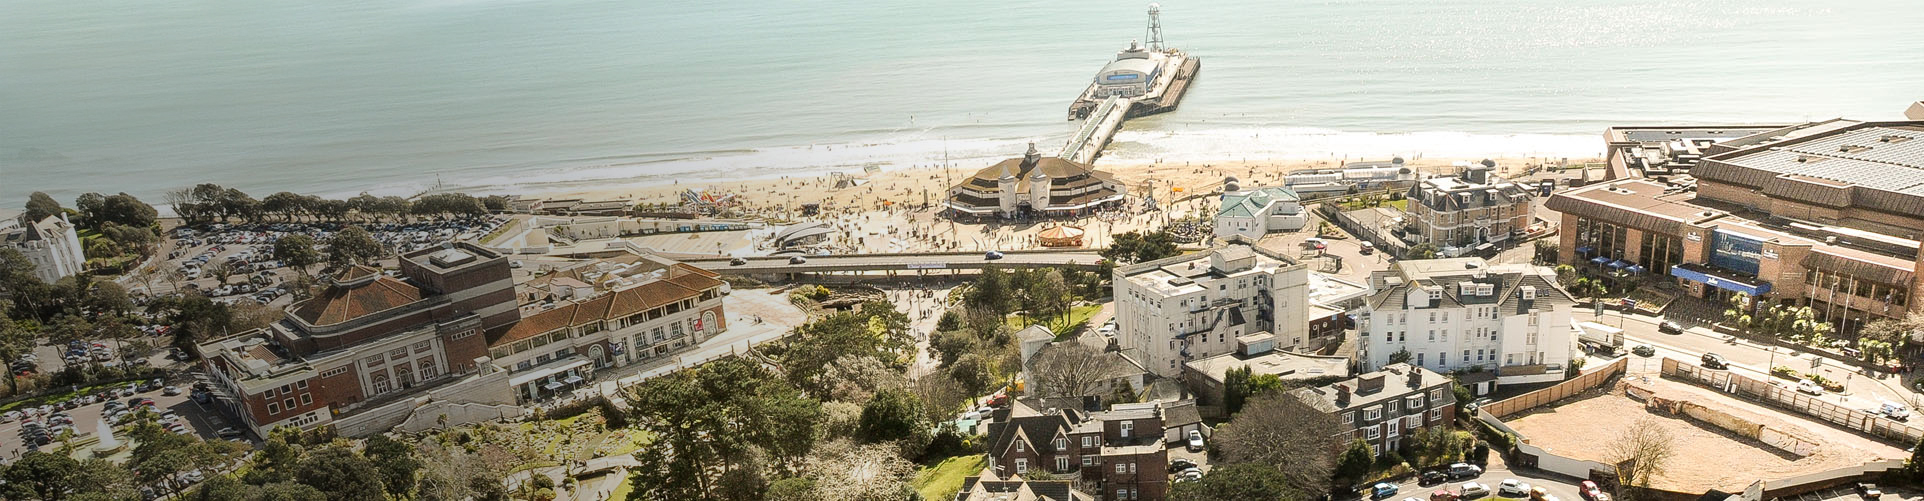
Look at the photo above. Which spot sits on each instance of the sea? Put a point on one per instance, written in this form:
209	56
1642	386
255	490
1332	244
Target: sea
502	96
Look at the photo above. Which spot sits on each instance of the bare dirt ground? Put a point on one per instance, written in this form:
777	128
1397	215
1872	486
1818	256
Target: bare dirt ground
1706	456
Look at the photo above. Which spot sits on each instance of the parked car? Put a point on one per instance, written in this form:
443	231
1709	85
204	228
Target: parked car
1443	495
1472	490
1590	492
1670	327
1868	491
1195	441
736	261
1382	490
1644	350
1465	470
229	433
1808	386
1714	361
1180	464
1894	410
992	255
797	260
1512	489
1432	477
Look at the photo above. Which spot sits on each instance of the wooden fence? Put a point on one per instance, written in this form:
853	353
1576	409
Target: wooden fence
1591	379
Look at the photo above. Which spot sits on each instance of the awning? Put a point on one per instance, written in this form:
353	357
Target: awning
572	379
552	385
1600	260
1619	264
1585	249
526	377
1636	268
1727	283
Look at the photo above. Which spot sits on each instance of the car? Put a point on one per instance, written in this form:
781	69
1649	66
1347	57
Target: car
1382	490
1808	386
992	255
1442	495
1195	441
229	432
736	261
1590	492
1366	248
1465	470
797	260
1180	464
1512	489
1644	350
1894	410
1189	476
1670	327
170	391
1432	477
1472	490
1868	491
1715	361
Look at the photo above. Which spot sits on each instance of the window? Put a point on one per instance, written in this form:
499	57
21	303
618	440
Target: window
398	353
1088	441
1372	433
334	371
374	360
1021	465
307	398
1021	447
1371	414
659	335
1121	469
1088	461
462	334
524	365
1126	427
1466	355
1062	463
1062	443
269	393
302	384
542	358
380	384
1413	422
1419	359
564	352
1414	401
428	370
1348	418
273	408
1436	414
1394	428
423	346
1432	334
1436	394
288	403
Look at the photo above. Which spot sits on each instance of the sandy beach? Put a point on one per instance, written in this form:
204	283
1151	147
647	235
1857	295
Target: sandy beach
896	210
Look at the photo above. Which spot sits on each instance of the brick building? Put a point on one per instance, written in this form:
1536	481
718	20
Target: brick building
1119	450
1386	406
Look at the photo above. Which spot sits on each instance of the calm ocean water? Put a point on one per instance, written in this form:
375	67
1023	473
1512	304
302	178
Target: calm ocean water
488	95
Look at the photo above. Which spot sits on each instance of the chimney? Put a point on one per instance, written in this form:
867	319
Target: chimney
1342	395
1416	378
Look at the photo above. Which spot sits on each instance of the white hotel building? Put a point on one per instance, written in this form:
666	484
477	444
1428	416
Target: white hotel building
1461	313
1194	306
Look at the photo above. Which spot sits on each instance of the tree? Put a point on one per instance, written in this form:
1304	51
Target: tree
1424	250
1566	274
395	462
1235	389
1048	298
1401	356
346	475
1137	247
896	415
1239	482
710	416
351	246
220	271
941	396
871	472
40	475
1355	463
973	371
1073	369
1642	451
1279	430
297	251
40	206
949	345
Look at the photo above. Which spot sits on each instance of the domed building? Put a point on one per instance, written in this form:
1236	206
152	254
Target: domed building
1035	186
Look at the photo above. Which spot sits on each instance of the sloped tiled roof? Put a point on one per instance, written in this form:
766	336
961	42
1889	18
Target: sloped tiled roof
617	304
341	303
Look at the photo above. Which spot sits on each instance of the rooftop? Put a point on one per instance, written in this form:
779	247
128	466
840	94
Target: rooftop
1253	202
354	295
1285	365
688	283
1179	275
1874	165
1393	381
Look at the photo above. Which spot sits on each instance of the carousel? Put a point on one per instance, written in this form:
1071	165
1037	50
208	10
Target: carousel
1061	236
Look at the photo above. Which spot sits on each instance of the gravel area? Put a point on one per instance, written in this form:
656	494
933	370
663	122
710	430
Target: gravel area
1706	456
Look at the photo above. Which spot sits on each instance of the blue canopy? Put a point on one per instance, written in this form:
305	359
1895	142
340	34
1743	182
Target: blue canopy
1585	249
1726	283
1600	259
1636	268
1619	264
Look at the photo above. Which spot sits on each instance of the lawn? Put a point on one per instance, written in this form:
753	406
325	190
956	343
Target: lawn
945	478
1078	315
621	491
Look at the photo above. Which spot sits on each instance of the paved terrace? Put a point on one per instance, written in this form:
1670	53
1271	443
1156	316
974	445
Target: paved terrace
1084	259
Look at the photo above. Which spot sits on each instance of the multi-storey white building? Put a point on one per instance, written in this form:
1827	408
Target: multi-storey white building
50	244
1461	313
1195	306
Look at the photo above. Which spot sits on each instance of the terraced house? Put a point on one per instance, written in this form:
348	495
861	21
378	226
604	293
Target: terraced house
1120	449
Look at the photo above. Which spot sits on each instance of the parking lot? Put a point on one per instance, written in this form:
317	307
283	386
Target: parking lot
1563	488
86	418
1849	493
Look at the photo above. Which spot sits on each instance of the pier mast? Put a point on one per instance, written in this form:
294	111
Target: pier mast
1154	36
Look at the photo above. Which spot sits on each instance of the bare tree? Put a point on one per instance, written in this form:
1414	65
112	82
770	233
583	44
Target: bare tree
1073	369
941	395
1642	451
845	471
1281	430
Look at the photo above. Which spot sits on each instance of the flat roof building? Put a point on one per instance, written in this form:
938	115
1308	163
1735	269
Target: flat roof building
1035	186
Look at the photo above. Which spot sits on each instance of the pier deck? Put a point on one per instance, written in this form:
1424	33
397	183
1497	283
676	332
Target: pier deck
1103	122
1104	117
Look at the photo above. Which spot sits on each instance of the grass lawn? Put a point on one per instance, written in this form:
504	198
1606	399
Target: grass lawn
1078	315
944	479
621	491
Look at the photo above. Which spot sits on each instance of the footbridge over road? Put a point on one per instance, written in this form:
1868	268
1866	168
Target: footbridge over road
923	262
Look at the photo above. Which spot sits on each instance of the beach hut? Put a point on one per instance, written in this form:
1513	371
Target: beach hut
1061	236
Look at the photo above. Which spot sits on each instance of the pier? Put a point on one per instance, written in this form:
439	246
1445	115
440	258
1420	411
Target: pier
1142	80
1097	130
